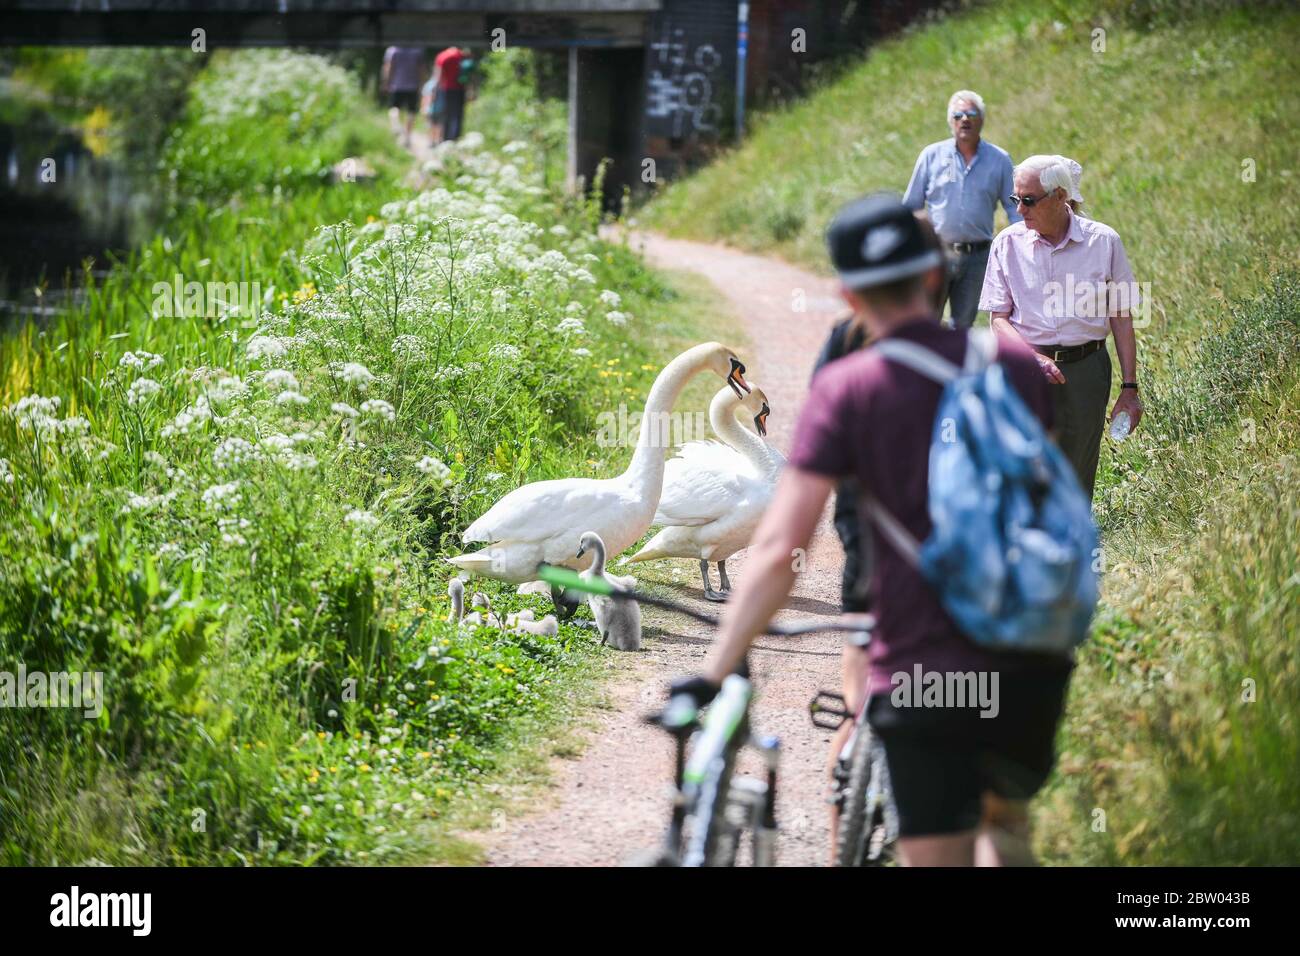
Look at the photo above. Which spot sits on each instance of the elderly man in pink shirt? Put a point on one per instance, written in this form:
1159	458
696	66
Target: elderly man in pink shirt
1061	283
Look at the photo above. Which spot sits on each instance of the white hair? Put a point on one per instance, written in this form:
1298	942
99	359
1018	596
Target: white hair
1055	172
970	96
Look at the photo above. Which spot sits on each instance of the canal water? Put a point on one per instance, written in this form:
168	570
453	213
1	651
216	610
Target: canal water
60	205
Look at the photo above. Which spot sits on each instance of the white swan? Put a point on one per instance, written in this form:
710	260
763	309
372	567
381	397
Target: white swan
619	622
539	522
714	494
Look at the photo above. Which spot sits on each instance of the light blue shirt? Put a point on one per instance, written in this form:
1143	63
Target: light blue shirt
961	199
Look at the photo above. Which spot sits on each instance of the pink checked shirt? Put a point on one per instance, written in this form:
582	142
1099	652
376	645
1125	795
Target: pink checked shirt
1064	294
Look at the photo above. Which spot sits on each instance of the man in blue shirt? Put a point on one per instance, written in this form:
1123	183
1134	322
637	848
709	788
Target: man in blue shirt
959	182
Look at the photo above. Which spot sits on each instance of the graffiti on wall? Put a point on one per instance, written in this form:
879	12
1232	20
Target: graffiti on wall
681	90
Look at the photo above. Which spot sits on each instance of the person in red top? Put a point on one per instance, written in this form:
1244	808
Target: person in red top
449	94
961	777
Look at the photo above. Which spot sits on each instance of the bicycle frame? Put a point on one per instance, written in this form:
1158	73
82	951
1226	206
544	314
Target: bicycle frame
706	793
880	816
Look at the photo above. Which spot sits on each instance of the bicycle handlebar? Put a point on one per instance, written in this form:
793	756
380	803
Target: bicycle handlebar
571	580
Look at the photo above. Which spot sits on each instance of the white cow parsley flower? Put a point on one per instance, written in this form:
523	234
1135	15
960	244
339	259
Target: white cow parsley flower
220	497
379	408
354	373
361	519
141	390
280	378
140	361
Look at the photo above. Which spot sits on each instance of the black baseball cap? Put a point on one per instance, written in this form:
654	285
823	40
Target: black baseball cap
876	240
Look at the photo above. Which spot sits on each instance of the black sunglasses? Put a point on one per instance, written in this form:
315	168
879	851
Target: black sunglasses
958	114
1029	202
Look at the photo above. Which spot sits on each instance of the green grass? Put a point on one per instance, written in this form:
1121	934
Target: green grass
1198	508
238	516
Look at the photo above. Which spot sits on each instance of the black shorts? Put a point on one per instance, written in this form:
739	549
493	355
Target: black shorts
405	99
942	760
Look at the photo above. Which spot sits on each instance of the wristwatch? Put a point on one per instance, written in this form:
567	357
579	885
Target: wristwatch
1132	385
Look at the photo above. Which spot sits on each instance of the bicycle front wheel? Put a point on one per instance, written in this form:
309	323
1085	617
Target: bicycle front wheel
853	838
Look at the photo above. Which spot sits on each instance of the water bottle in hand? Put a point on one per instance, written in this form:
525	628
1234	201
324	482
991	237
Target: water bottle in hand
1120	427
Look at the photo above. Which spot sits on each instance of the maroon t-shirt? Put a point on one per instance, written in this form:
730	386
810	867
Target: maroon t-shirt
871	419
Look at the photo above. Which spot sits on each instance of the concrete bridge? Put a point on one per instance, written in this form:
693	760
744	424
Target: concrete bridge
652	84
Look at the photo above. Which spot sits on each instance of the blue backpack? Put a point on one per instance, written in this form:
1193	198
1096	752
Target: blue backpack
1012	552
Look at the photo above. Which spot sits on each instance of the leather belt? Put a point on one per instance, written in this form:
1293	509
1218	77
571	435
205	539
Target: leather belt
1069	353
966	248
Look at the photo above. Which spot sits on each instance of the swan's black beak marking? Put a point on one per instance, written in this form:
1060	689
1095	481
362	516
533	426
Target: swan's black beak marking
760	420
736	379
581	551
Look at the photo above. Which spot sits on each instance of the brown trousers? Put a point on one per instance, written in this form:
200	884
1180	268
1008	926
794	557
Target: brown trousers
1079	410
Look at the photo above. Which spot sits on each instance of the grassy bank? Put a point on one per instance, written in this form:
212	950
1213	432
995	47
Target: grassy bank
233	503
1181	744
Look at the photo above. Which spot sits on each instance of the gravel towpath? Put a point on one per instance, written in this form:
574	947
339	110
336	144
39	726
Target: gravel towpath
612	798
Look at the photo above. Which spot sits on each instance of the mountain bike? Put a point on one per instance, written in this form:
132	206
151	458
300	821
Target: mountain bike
867	834
713	809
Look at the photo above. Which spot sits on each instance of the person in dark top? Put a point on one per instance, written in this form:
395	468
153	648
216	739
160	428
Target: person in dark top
403	72
847	336
961	770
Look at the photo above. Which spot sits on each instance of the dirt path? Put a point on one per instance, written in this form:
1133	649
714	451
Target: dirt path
612	799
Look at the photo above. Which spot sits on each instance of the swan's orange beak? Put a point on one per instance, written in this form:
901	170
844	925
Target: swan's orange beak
760	420
736	379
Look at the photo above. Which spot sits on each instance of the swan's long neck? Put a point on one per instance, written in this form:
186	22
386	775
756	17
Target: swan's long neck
647	467
722	416
597	550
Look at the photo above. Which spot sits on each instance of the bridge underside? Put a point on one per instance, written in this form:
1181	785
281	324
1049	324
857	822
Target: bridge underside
325	29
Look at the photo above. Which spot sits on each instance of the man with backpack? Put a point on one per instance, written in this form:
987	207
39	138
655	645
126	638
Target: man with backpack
961	770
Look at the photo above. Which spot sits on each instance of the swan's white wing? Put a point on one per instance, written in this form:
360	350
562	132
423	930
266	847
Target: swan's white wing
702	483
544	509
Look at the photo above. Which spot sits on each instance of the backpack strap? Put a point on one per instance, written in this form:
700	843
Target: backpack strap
919	359
893	530
981	349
